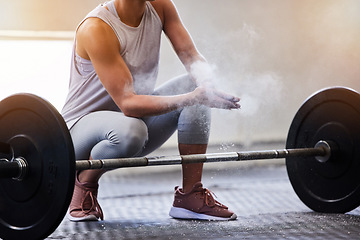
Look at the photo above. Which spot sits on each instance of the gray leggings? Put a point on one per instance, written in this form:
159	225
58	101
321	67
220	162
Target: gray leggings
109	134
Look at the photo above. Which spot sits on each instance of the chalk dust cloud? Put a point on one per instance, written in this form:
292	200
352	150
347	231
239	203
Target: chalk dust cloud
273	54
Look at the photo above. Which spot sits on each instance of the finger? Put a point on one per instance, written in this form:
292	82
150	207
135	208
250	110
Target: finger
226	104
235	106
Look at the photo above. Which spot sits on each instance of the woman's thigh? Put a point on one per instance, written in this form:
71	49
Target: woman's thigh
108	134
178	85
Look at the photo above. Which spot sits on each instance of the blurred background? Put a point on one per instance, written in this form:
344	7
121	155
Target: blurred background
272	54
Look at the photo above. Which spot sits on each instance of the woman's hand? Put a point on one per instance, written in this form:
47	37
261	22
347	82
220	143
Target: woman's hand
216	99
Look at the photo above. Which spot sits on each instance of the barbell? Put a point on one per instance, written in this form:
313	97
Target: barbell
37	160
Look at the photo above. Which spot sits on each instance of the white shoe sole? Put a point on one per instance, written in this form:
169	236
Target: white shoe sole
88	218
182	213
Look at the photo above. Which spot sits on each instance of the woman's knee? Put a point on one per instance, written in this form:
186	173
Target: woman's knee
135	138
194	125
120	142
197	114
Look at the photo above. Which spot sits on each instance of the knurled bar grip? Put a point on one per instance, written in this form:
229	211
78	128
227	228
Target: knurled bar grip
198	158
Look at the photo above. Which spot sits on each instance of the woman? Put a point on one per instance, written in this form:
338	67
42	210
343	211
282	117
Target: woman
113	110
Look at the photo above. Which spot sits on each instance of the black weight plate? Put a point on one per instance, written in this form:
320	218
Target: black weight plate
34	207
332	115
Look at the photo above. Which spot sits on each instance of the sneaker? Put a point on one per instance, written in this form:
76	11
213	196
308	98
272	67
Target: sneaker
199	204
84	205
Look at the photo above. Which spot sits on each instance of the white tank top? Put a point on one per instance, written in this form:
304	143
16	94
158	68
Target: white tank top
140	49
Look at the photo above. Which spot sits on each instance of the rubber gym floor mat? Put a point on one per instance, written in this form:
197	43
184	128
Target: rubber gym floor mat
136	207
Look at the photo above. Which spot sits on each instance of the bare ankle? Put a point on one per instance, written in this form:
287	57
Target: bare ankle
91	176
188	187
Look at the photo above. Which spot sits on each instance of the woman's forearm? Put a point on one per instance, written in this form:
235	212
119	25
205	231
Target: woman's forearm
149	105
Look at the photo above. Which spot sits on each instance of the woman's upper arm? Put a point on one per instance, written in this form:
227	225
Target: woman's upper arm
177	33
97	42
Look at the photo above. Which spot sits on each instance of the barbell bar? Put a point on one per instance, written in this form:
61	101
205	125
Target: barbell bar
18	167
321	151
37	160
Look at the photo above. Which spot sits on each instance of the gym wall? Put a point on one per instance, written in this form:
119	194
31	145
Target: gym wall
273	54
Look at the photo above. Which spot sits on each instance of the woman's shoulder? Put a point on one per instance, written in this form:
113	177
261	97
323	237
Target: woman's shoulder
162	6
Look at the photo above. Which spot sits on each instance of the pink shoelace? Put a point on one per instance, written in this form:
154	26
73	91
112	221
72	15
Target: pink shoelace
94	205
210	200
